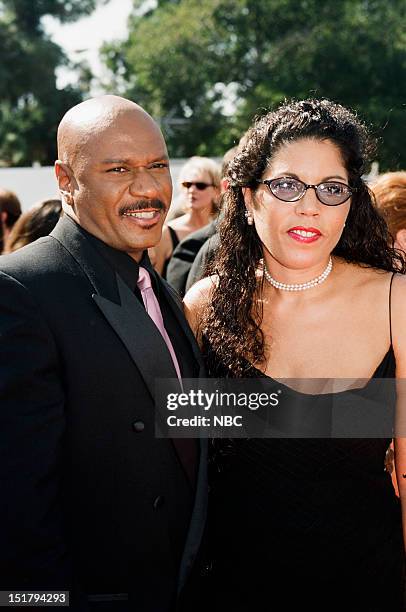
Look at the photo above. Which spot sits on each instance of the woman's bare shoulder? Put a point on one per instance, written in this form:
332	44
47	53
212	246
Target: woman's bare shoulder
398	315
197	298
361	272
357	277
398	300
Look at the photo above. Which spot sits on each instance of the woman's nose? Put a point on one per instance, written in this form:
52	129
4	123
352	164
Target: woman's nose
308	204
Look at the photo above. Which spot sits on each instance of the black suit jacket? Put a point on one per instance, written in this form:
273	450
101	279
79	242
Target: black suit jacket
90	500
184	255
203	258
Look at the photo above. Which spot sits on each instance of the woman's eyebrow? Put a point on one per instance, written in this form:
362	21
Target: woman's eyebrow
327	178
335	176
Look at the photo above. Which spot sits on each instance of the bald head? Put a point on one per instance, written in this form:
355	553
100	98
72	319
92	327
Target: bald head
113	173
89	121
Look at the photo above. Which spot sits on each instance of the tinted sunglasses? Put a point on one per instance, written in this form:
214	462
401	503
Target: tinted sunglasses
287	189
200	186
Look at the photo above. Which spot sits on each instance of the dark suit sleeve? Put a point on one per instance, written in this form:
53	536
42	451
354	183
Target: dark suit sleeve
32	424
203	258
180	264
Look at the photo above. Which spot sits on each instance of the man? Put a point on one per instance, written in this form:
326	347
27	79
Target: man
91	501
10	211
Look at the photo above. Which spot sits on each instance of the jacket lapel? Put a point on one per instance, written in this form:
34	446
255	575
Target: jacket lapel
120	306
138	333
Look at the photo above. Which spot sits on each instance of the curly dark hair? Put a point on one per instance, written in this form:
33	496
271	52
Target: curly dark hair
230	323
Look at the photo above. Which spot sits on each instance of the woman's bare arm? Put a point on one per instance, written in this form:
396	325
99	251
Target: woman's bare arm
195	301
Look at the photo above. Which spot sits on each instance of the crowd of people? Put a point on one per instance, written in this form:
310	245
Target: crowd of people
292	273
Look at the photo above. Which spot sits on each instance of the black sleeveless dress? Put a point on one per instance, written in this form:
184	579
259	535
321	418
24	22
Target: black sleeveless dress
305	523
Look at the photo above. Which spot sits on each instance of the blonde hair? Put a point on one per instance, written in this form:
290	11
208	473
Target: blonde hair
390	194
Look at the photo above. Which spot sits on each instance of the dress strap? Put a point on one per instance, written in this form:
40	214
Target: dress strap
174	237
390	307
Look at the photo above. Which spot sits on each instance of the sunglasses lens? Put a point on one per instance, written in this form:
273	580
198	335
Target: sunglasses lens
287	189
333	194
200	186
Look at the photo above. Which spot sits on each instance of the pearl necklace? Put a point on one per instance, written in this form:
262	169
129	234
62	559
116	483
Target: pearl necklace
299	286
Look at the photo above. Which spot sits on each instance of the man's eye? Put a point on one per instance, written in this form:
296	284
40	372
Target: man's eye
118	170
160	165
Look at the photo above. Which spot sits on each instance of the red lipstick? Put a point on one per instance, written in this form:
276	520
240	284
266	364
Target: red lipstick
305	235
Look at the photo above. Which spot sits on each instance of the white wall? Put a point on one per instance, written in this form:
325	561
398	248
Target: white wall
29	184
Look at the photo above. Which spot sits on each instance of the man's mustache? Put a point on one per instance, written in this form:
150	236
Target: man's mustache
143	205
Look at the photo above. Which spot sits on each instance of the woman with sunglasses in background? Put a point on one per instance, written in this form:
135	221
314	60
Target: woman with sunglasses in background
200	184
311	521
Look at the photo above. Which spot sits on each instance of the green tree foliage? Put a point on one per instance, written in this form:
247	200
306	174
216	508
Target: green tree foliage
30	103
185	60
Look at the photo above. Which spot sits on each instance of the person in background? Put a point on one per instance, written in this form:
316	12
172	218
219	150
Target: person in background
207	251
184	255
390	194
10	210
200	183
36	222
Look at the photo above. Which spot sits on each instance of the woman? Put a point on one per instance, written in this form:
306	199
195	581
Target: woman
303	287
200	184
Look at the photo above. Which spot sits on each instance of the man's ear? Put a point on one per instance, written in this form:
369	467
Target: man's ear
400	241
64	177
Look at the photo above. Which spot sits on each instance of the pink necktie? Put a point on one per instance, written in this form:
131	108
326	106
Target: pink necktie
152	307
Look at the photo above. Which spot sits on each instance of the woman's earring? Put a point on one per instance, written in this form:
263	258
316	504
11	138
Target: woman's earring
249	217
